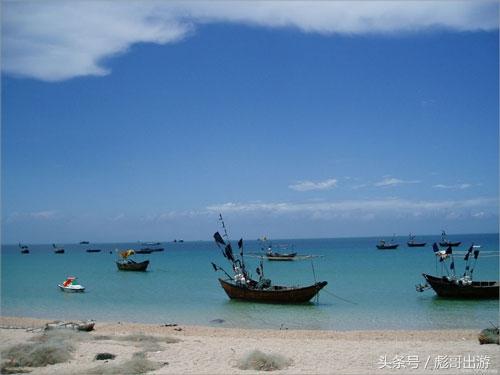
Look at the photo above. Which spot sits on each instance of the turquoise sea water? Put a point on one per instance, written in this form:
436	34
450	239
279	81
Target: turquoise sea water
181	286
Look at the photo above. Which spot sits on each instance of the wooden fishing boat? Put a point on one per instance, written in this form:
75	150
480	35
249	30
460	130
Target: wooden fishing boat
416	244
242	286
382	245
143	251
24	249
130	265
84	242
273	256
93	250
57	250
412	243
463	288
149	250
447	243
273	294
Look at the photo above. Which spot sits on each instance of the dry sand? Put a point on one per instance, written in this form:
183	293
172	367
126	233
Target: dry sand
208	350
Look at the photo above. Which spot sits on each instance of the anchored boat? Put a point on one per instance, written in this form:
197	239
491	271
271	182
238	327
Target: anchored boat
462	286
446	243
412	243
243	287
382	245
58	250
126	264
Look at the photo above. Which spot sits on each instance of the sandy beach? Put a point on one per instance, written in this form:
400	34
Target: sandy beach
208	350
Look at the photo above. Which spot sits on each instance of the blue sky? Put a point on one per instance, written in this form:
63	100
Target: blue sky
290	124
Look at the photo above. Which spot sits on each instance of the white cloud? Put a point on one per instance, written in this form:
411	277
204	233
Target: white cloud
391	181
359	208
310	185
35	215
58	40
456	186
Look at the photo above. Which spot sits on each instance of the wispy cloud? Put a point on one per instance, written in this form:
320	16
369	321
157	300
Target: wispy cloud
58	40
391	181
359	208
456	186
311	185
35	215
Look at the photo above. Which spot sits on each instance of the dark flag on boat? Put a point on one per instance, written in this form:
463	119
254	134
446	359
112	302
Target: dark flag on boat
435	247
449	250
452	266
240	245
229	252
218	238
467	255
214	266
258	271
476	254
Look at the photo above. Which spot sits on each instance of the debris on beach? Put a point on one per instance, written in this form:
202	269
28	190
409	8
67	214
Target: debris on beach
104	356
489	336
47	349
259	361
86	326
138	364
218	321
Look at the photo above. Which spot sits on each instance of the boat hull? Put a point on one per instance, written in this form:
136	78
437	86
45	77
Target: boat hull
93	250
452	244
416	244
133	266
61	251
477	290
25	251
387	247
280	296
281	257
71	290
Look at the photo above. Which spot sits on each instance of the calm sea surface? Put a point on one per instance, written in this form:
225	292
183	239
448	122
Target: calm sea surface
181	286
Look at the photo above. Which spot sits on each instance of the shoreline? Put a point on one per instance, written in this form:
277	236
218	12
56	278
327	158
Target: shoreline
218	350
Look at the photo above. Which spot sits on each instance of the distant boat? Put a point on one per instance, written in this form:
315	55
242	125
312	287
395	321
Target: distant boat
150	243
57	250
382	245
180	241
278	256
143	251
24	249
149	250
93	250
84	242
445	242
461	286
70	286
412	243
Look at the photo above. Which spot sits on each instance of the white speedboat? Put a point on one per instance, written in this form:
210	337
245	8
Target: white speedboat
69	286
